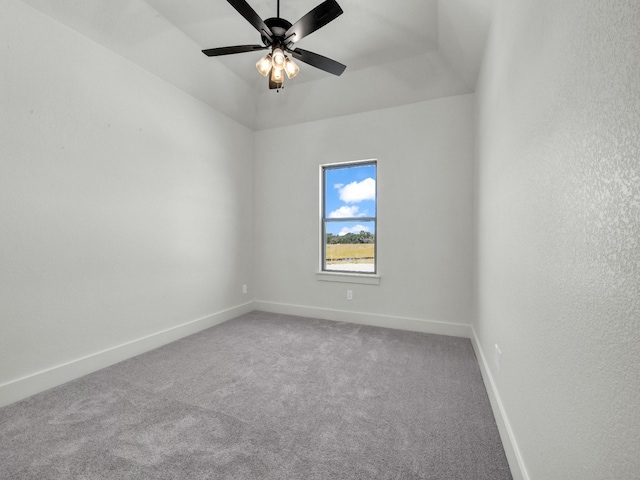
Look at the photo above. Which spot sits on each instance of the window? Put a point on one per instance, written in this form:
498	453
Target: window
349	217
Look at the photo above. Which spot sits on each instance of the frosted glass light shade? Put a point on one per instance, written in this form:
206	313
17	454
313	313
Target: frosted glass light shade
277	75
264	65
278	58
291	67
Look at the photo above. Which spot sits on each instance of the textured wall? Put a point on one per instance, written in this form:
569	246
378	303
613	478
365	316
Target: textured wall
125	204
559	232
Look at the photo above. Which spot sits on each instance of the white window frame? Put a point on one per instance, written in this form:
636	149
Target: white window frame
369	278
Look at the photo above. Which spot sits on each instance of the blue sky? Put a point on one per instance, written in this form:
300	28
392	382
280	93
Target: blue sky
350	192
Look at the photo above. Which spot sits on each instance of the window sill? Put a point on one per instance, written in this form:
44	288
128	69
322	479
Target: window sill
362	278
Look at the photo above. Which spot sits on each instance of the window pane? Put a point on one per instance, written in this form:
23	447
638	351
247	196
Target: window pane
350	192
350	246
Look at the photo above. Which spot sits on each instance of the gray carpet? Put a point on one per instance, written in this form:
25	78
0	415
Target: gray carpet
267	396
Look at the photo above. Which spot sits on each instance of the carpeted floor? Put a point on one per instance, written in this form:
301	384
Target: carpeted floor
267	396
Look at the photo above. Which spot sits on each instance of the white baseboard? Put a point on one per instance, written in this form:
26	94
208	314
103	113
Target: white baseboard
399	323
24	387
514	457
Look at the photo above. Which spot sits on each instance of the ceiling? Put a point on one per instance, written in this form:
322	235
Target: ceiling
396	52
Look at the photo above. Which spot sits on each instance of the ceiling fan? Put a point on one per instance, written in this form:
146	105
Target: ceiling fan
280	36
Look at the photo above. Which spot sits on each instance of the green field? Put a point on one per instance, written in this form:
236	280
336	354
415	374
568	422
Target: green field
350	253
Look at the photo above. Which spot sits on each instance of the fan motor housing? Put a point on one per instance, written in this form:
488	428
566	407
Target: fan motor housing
279	27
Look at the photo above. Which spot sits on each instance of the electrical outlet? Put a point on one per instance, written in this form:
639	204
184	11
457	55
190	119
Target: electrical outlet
244	288
349	294
497	358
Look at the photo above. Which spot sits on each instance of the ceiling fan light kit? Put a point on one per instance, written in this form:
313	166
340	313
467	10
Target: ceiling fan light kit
280	35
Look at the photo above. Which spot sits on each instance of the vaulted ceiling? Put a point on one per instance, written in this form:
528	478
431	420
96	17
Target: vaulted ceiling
396	52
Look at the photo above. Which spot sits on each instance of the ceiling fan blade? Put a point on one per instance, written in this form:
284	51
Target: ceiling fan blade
318	61
216	52
252	17
317	18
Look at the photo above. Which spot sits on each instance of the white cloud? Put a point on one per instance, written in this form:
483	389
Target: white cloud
355	192
356	229
347	211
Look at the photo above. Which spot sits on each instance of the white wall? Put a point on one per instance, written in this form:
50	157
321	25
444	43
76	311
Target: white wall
559	232
425	230
125	206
